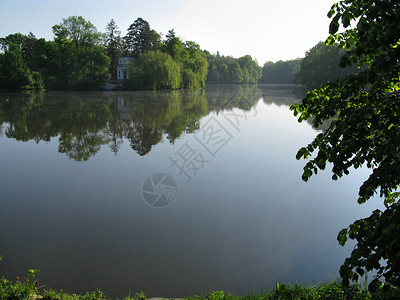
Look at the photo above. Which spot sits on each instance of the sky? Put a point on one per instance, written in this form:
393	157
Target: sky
268	30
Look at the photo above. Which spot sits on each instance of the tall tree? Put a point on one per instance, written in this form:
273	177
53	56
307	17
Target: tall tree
251	68
140	38
365	130
195	65
113	46
78	30
80	54
28	49
170	35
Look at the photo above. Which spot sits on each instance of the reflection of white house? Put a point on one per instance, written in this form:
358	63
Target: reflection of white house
121	107
122	67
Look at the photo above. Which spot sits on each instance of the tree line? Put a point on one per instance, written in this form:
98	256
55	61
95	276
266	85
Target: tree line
226	69
320	65
80	57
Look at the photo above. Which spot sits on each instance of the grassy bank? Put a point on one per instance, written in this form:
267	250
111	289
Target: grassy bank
28	288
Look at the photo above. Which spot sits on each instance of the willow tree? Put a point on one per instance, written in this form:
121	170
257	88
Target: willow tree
154	70
365	130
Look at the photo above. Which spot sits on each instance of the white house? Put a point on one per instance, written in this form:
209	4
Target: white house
122	67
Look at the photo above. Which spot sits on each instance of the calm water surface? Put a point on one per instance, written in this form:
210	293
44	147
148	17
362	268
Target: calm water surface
173	193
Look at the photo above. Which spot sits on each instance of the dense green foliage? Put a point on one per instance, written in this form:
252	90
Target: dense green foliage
226	69
321	64
280	72
75	59
154	70
175	65
79	61
18	64
80	57
365	130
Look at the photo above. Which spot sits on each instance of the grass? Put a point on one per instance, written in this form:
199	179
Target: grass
29	289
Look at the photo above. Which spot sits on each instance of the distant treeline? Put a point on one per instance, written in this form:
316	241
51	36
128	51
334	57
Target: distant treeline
226	69
281	71
79	57
320	64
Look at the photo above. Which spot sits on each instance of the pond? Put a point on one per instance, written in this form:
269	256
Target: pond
173	193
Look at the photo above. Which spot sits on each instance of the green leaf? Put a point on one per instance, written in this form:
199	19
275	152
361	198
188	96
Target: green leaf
332	11
334	26
306	174
342	237
330	41
32	272
346	19
300	153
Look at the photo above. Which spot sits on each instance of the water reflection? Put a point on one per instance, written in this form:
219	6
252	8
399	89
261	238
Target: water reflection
281	94
247	220
85	122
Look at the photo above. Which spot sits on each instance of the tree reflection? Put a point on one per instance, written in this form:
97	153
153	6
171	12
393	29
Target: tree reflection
115	127
282	94
82	146
227	97
143	138
83	123
151	115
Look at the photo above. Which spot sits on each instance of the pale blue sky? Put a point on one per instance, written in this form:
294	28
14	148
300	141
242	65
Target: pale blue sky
265	29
